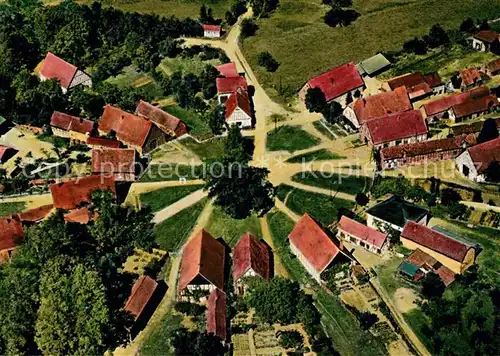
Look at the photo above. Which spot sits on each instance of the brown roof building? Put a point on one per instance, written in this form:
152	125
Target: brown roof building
473	107
216	314
80	216
101	142
11	236
418	85
470	78
492	68
117	163
166	122
475	160
427	263
67	74
437	108
36	215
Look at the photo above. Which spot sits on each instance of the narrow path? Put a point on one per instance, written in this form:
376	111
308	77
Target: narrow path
281	206
179	205
279	269
31	201
310	188
138	188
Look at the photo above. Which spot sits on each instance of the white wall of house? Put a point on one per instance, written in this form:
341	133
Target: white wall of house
380	224
351	116
440	89
479	45
366	245
240	118
81	78
59	132
402	141
307	265
211	34
467	168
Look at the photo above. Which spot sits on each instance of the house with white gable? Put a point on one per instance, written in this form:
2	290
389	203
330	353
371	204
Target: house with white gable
68	75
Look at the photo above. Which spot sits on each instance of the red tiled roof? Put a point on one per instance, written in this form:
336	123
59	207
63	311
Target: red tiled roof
433	240
204	256
11	233
5	151
128	127
487	36
250	252
382	104
104	142
485	153
338	81
69	195
396	126
494	65
227	69
314	244
54	67
113	160
142	291
240	100
473	127
216	314
71	123
433	79
439	105
362	232
211	28
417	84
230	84
427	147
80	216
475	106
470	76
36	214
166	122
421	259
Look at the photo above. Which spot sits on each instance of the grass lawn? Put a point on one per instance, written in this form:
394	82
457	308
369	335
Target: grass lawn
130	77
161	198
319	155
325	131
384	25
419	323
168	172
320	206
289	138
386	275
282	191
186	65
342	183
11	208
222	225
157	342
198	125
210	149
173	232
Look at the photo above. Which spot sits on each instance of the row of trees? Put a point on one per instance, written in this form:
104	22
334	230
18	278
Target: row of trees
436	37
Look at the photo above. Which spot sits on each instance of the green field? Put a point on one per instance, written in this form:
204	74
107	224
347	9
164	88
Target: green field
157	342
209	149
161	198
333	181
185	65
305	46
11	208
169	172
282	191
319	155
197	125
173	232
289	138
222	225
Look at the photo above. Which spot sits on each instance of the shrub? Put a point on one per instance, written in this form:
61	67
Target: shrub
266	60
188	308
248	28
291	339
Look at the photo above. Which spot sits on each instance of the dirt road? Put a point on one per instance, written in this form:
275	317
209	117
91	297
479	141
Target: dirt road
179	205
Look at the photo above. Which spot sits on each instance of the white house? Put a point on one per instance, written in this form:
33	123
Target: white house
238	109
68	75
212	31
485	40
473	162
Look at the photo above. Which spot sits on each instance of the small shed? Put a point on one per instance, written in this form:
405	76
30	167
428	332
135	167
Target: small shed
374	65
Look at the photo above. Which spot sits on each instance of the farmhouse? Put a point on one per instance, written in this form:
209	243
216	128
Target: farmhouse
492	68
374	65
473	127
313	247
470	78
35	215
228	70
486	41
71	194
395	129
362	235
72	127
114	162
419	85
452	253
378	105
251	257
67	74
7	153
133	131
80	216
395	212
238	109
202	268
229	85
169	124
425	151
419	263
101	142
475	160
473	107
11	236
340	84
212	31
216	314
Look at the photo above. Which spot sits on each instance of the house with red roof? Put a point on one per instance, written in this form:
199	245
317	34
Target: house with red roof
35	215
80	216
473	107
216	314
7	153
72	127
251	258
228	69
212	31
419	264
239	109
229	85
485	41
339	84
114	162
419	85
11	236
202	267
169	124
101	142
72	194
133	131
474	161
492	68
68	75
378	105
470	78
314	248
453	253
362	235
395	129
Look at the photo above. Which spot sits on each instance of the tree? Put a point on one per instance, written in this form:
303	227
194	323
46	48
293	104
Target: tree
266	60
332	112
315	100
290	339
416	45
468	25
362	199
489	131
432	286
416	193
240	190
449	196
340	17
230	18
248	28
235	147
217	120
492	172
367	320
477	197
484	26
338	3
207	81
456	210
437	37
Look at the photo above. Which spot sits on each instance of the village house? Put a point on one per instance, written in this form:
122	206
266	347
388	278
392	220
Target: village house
492	68
419	85
374	65
202	267
473	108
451	252
68	75
212	31
394	213
133	131
473	127
35	215
485	41
313	247
395	129
238	109
11	236
169	124
226	86
378	105
419	263
80	216
73	193
144	298
341	84
470	78
216	314
6	153
228	70
473	162
425	151
72	127
101	142
251	258
114	162
362	235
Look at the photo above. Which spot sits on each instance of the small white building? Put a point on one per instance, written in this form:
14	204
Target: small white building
473	162
239	110
485	40
212	31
